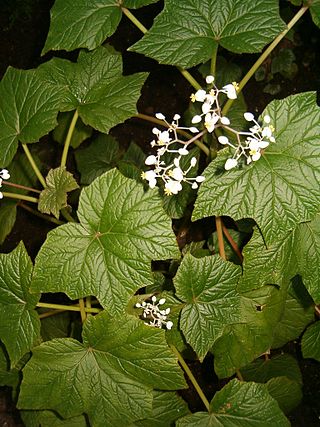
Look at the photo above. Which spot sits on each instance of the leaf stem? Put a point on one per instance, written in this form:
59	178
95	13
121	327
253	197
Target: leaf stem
34	166
144	30
82	310
317	309
20	197
88	304
264	55
50	313
67	307
40	215
68	139
22	187
239	375
67	216
191	377
233	244
214	60
222	252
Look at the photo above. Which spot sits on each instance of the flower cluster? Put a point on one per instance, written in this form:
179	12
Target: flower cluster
4	174
168	142
153	313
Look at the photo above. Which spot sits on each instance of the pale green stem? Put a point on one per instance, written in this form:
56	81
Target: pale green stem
191	377
264	55
40	215
50	313
222	252
144	30
67	216
239	375
33	165
67	307
20	197
68	139
88	304
214	60
82	310
21	187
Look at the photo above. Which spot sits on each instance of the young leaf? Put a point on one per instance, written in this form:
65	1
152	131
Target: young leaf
54	196
95	87
281	189
99	157
109	253
19	322
311	342
239	404
28	109
85	24
167	407
109	377
187	33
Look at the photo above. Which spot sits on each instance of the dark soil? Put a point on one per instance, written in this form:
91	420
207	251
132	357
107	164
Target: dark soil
23	29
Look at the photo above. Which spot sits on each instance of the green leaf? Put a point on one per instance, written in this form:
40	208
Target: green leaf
57	326
188	33
80	133
310	343
85	24
281	189
167	407
8	377
109	253
315	12
109	377
8	213
286	392
54	196
19	322
95	87
239	404
28	109
208	287
50	419
99	157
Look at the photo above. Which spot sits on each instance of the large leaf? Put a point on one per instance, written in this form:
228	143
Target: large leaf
286	392
54	196
28	109
311	342
50	419
85	24
8	377
297	252
110	376
95	87
19	322
239	404
187	33
109	253
281	189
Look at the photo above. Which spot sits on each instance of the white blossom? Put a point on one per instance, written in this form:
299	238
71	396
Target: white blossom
4	174
230	90
154	315
230	164
209	79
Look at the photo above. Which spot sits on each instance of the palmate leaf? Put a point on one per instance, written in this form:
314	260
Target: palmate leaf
85	24
19	322
239	404
109	377
28	109
109	253
187	33
54	196
50	419
282	188
95	87
297	252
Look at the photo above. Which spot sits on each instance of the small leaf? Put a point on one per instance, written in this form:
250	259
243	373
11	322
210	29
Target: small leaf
95	87
54	196
80	133
19	322
109	253
110	376
188	33
239	404
310	343
281	189
99	157
85	24
28	109
167	407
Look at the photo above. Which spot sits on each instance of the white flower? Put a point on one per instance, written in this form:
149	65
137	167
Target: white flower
223	140
209	79
4	174
169	325
150	176
248	116
210	121
153	314
230	90
1	195
176	117
193	129
160	116
196	119
200	178
193	162
172	187
151	160
183	151
225	121
177	174
267	119
200	95
164	137
194	186
206	106
230	164
267	132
